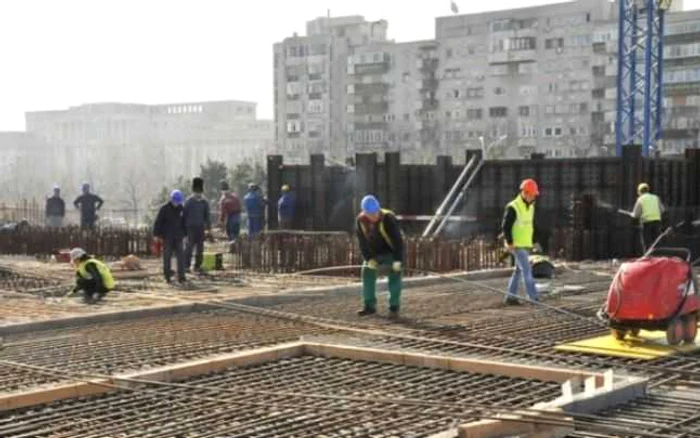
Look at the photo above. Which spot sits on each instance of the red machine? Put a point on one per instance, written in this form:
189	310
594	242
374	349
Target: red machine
656	292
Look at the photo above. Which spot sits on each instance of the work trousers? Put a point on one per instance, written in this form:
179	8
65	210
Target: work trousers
286	223
173	247
650	232
255	224
91	291
233	226
195	242
54	221
523	271
369	284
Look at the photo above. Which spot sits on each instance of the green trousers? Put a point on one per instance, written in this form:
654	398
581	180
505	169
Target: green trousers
369	284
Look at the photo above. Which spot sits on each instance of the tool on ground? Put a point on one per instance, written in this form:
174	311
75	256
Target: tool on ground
655	292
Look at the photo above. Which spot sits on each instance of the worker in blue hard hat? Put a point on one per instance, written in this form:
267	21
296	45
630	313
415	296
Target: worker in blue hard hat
381	244
169	228
648	210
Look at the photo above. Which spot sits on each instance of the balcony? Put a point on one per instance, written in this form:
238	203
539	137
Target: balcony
527	142
368	69
428	64
513	56
372	108
429	105
370	89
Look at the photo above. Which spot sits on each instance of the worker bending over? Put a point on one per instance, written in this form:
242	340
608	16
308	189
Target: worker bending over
519	232
381	244
92	276
648	209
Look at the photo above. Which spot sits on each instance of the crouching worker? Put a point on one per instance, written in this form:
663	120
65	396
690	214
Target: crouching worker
92	276
381	244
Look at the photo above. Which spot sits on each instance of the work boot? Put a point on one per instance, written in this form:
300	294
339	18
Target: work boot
393	312
366	311
511	301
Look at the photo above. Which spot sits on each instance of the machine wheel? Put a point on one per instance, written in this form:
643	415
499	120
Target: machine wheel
690	328
674	332
635	332
618	334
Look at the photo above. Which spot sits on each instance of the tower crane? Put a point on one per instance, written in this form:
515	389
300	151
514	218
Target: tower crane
640	38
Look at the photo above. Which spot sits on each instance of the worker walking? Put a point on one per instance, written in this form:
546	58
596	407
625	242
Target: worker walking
169	229
255	207
197	217
381	244
229	211
648	210
88	204
92	276
285	209
55	209
519	230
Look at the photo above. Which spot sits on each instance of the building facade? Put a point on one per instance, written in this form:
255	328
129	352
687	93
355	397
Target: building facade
530	80
117	147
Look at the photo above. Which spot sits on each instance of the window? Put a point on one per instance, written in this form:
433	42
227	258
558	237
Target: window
406	117
498	112
557	132
474	114
547	132
524	111
448	53
553	43
475	92
499	70
499	91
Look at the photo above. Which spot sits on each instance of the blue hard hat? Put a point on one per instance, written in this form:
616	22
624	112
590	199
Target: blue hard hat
177	197
370	204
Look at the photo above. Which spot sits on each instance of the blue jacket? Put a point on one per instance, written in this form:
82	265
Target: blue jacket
254	204
285	206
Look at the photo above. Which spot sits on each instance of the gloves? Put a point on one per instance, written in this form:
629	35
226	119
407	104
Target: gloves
396	266
371	264
538	248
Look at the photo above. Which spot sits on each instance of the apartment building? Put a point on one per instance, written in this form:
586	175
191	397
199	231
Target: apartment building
536	79
310	82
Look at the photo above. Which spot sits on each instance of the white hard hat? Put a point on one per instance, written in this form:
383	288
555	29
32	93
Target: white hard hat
77	253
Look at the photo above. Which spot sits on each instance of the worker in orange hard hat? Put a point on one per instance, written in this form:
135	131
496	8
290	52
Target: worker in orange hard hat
519	231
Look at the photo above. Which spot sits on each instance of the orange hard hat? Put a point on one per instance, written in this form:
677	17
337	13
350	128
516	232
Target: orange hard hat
529	186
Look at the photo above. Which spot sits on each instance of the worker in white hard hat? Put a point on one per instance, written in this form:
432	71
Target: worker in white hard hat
92	276
648	210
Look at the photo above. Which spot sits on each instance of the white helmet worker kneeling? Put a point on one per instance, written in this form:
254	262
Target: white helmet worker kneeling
92	276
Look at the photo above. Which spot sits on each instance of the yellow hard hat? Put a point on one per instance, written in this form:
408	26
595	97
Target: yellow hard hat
285	188
643	187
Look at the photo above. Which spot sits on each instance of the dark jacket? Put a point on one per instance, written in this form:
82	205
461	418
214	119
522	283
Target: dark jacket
55	206
88	204
170	223
507	226
197	213
373	244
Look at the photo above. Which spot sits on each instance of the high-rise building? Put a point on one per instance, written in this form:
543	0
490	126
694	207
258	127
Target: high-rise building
311	81
536	79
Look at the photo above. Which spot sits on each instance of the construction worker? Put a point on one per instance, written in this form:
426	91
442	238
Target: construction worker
229	211
92	276
285	209
55	209
169	229
519	231
255	207
648	210
197	218
88	204
381	244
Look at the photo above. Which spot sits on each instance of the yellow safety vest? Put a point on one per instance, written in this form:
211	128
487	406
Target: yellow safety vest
523	227
107	278
382	229
651	210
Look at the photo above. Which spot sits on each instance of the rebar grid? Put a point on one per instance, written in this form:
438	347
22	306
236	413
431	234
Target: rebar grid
134	414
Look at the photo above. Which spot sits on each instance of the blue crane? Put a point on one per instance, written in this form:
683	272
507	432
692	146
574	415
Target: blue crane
640	38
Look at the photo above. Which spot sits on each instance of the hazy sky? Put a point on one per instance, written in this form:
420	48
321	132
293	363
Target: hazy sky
60	53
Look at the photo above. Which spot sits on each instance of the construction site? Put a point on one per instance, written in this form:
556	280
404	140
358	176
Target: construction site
244	353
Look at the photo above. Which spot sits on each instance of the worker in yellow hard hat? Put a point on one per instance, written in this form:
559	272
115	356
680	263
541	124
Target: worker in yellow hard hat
519	231
648	210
